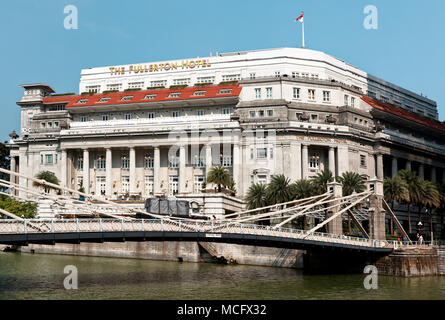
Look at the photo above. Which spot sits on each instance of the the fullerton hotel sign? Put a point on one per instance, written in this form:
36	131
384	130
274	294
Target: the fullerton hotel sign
155	67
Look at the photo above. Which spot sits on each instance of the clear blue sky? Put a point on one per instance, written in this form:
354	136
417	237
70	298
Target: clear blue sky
408	48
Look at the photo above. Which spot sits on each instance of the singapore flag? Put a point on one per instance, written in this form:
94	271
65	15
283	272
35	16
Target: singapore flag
300	18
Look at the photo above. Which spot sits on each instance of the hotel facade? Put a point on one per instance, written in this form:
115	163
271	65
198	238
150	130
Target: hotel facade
157	128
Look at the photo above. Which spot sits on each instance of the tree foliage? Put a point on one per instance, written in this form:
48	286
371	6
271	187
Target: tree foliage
219	176
26	209
48	176
351	182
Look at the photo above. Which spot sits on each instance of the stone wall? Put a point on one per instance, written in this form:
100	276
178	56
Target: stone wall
175	251
413	262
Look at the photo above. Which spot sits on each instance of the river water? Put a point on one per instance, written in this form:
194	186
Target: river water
41	276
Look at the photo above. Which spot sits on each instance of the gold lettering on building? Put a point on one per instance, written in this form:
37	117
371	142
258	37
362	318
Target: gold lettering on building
185	64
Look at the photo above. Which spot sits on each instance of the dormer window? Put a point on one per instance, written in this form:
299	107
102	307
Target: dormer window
104	99
174	95
127	98
82	101
199	93
225	91
150	97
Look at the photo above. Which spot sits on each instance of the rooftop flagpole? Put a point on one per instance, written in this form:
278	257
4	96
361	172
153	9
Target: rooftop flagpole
300	18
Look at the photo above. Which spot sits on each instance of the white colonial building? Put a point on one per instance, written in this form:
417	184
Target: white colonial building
158	127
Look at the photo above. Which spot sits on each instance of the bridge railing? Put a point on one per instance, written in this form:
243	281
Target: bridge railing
115	225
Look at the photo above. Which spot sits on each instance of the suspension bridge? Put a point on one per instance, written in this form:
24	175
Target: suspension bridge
111	221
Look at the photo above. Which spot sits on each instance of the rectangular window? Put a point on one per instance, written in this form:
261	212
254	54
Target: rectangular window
277	74
346	100
173	185
101	162
56	124
210	79
82	101
225	91
352	102
80	163
198	183
258	93
125	184
149	161
226	161
252	114
311	94
127	98
326	96
158	83
252	76
105	117
199	93
125	162
226	111
314	161
269	93
41	159
262	179
104	99
261	153
49	159
363	161
295	74
185	81
231	77
200	113
173	162
135	85
175	114
128	116
151	115
261	113
270	113
251	153
114	86
198	162
174	95
296	93
271	153
149	189
93	89
314	117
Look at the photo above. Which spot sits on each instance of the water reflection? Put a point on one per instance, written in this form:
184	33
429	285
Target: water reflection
27	276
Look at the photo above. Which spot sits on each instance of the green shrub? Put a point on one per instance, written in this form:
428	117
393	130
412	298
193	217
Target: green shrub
110	91
228	82
153	88
178	86
132	89
63	94
26	209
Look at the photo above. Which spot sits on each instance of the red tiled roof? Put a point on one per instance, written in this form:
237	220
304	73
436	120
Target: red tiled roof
404	114
139	96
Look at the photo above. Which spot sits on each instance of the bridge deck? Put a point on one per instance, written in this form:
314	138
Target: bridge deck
103	230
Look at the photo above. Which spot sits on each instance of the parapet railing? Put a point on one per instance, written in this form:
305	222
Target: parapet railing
213	228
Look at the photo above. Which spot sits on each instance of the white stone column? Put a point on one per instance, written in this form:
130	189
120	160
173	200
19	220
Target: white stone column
132	170
394	168
13	178
305	161
443	175
422	171
108	172
342	159
331	160
63	168
295	161
182	163
379	166
23	182
236	167
156	170
408	165
433	174
208	158
86	170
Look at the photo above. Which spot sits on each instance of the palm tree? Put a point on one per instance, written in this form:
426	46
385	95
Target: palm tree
321	181
441	188
219	176
48	176
302	189
395	189
430	200
413	185
279	190
351	182
256	196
